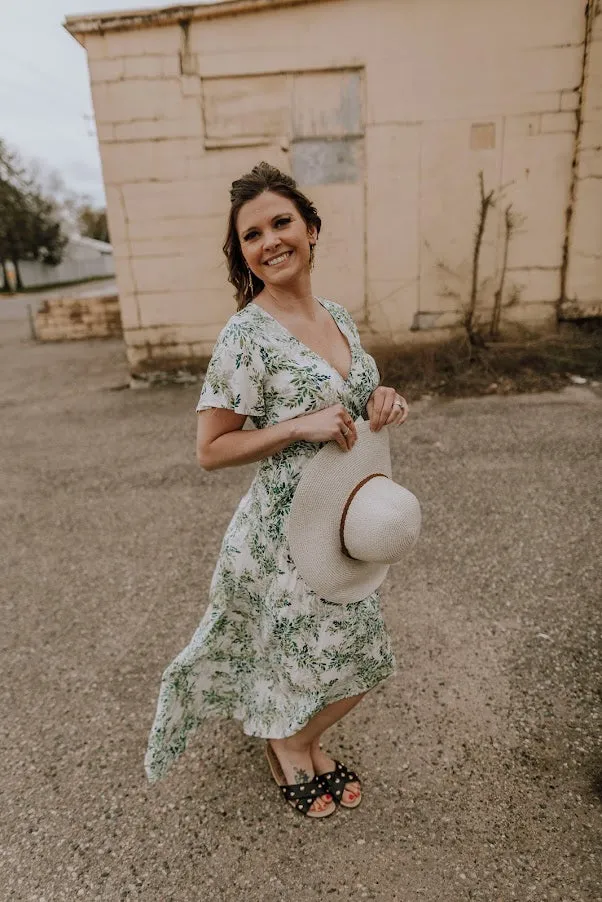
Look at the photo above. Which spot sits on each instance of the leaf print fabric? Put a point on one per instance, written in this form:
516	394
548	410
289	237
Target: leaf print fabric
234	378
268	651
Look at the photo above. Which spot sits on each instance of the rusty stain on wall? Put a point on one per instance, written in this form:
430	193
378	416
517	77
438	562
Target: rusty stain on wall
572	309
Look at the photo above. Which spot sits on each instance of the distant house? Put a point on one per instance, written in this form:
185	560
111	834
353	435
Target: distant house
386	112
83	258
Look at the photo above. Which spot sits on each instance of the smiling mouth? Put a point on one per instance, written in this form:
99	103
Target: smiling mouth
280	259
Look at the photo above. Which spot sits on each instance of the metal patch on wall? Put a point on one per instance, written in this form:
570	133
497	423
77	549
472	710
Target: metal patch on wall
327	162
327	105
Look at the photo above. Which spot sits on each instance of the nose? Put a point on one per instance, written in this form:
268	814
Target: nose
270	240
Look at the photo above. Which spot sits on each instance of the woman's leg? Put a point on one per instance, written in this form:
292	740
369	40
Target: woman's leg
323	763
296	753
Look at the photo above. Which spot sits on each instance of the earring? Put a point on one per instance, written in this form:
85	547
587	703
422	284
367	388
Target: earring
312	254
250	278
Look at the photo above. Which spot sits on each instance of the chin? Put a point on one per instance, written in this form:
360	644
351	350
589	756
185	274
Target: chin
287	274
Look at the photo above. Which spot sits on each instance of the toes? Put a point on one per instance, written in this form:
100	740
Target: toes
320	805
351	792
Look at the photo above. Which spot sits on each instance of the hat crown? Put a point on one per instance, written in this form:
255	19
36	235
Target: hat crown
382	521
335	510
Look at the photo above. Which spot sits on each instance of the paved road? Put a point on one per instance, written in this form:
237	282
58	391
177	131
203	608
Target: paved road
480	761
14	307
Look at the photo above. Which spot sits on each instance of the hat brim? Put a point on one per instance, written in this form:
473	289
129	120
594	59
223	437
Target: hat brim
315	515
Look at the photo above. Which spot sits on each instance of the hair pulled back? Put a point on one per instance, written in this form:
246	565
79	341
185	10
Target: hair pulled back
262	177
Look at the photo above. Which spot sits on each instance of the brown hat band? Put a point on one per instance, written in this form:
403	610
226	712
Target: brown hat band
352	495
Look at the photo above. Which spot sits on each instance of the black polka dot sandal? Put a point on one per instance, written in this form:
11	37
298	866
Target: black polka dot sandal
336	780
300	796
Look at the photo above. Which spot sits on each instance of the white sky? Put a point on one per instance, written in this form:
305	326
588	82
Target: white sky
44	88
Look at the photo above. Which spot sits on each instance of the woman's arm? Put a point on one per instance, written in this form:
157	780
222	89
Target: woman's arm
222	442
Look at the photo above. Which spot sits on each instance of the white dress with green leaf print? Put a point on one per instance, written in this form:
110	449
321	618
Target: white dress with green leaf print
270	652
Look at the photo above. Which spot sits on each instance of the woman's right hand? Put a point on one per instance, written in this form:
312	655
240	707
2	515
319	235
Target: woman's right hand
331	424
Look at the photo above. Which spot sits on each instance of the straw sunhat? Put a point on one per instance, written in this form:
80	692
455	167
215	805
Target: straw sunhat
349	520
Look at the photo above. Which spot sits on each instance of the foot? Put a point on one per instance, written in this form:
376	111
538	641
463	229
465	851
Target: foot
297	767
323	764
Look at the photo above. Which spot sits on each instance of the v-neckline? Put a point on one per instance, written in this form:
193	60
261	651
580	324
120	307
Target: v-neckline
309	350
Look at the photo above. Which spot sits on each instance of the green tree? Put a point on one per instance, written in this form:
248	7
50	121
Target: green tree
92	222
30	221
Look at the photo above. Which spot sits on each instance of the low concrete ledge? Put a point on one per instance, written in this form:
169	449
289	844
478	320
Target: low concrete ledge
72	319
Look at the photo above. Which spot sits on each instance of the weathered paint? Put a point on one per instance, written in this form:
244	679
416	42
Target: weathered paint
69	318
581	271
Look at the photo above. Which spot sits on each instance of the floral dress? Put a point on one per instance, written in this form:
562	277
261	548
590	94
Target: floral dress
269	652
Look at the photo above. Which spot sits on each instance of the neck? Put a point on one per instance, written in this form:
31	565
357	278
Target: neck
293	299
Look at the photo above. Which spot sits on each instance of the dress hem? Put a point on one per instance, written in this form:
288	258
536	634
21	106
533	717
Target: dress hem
155	775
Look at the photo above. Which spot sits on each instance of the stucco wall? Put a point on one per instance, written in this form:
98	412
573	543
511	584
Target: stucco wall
447	89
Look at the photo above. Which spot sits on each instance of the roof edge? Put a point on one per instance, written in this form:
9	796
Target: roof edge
126	20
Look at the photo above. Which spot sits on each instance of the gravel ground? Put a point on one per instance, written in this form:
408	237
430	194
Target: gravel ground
480	758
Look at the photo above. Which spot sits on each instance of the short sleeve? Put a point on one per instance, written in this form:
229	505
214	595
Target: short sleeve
234	378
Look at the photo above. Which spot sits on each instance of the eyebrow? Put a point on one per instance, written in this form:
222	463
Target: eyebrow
274	218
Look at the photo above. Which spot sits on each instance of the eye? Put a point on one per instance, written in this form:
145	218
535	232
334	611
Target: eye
284	220
250	235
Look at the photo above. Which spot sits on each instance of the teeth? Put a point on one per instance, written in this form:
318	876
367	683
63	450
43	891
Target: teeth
278	259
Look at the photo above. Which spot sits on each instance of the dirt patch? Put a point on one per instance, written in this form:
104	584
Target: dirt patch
458	369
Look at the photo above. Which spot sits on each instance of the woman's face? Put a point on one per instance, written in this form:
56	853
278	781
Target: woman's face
274	238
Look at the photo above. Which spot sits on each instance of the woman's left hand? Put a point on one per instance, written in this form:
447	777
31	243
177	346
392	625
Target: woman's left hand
386	408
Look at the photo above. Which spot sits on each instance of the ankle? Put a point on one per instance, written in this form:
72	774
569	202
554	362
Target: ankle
291	745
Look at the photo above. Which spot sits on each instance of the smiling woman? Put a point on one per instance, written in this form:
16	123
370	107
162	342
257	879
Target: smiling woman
270	651
271	196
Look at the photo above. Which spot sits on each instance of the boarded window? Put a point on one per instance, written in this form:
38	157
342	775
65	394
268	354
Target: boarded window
236	109
327	105
319	114
327	128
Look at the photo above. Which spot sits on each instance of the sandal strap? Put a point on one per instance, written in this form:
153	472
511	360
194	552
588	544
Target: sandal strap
337	779
305	794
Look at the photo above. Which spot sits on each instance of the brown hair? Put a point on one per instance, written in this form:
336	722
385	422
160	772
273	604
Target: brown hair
262	177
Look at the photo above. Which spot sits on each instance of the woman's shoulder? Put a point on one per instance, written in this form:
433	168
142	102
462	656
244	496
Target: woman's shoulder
336	309
240	323
340	314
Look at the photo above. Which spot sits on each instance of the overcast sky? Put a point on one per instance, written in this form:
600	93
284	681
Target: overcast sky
44	88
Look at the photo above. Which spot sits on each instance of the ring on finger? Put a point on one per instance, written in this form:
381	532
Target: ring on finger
346	431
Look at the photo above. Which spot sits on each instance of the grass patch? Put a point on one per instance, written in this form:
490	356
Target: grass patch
458	369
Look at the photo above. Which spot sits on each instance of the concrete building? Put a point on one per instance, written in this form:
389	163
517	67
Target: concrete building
385	111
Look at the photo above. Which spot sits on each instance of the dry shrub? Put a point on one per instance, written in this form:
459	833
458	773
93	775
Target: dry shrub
458	368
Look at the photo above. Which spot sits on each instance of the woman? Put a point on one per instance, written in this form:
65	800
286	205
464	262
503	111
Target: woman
269	652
